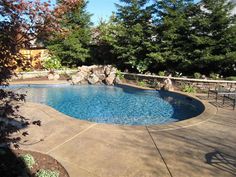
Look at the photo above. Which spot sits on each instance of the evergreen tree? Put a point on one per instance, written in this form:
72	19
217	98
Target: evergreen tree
103	42
172	31
196	37
133	43
213	37
71	46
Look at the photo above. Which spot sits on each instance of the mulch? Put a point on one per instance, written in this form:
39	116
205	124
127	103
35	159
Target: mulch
12	166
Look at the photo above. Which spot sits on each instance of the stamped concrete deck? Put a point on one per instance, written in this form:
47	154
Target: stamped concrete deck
199	147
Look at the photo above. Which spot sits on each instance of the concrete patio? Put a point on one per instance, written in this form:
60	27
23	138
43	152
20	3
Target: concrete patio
204	146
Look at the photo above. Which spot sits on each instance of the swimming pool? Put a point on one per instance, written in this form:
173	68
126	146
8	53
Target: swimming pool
114	104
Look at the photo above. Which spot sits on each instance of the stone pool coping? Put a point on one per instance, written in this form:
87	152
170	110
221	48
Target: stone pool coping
208	113
39	82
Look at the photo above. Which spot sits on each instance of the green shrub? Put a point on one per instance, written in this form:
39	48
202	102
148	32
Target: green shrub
231	78
161	73
214	76
28	69
52	63
197	75
142	83
120	75
28	159
47	173
189	88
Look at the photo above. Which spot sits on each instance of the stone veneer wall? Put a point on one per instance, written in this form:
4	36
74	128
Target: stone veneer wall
152	80
35	74
202	84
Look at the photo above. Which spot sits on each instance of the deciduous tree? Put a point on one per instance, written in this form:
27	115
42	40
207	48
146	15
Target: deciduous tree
21	21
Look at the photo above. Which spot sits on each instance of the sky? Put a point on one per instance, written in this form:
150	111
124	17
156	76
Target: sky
102	9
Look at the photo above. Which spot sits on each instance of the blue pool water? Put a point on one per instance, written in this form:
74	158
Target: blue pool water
114	104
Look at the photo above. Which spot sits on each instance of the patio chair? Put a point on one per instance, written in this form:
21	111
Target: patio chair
231	97
221	90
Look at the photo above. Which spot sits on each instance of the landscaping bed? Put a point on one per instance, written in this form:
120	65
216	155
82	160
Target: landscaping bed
21	163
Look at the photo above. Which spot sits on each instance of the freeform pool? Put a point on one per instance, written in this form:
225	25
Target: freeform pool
114	104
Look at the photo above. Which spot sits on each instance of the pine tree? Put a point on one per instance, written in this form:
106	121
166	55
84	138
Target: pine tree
213	37
102	49
72	46
172	31
134	40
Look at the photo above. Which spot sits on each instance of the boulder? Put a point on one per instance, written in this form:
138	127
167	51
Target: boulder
107	70
168	86
83	74
50	76
117	80
110	79
84	69
75	79
96	74
56	77
101	77
113	70
93	79
99	70
84	82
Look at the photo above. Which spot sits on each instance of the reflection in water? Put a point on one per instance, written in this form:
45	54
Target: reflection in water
117	105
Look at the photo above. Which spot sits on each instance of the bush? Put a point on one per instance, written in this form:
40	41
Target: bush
28	159
142	83
231	78
214	76
189	88
52	63
161	73
120	75
197	75
47	173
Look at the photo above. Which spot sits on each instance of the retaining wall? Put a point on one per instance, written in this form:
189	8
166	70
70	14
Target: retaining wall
203	84
151	80
35	74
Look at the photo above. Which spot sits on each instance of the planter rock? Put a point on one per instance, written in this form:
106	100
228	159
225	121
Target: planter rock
95	75
110	79
53	76
93	79
168	86
50	76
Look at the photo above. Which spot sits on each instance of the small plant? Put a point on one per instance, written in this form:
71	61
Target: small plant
231	78
28	69
161	73
178	74
214	76
120	75
197	75
52	63
28	159
189	88
47	173
142	83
